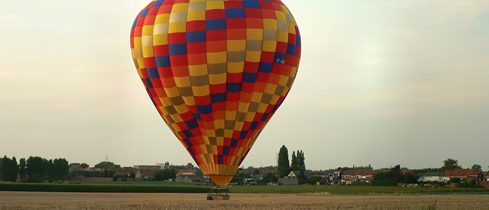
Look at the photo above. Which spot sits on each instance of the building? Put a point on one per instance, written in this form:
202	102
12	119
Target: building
189	175
146	174
466	175
147	167
433	177
291	179
487	177
182	178
357	176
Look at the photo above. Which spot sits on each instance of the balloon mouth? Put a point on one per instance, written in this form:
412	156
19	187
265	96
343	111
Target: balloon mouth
221	180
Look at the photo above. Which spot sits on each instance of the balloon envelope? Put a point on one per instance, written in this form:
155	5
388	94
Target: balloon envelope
217	71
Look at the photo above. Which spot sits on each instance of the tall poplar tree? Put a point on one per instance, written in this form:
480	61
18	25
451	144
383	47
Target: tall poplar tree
283	162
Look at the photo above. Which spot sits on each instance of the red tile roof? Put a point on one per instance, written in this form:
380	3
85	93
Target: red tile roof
360	172
462	172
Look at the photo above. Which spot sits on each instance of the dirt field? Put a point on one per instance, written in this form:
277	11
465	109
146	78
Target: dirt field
28	200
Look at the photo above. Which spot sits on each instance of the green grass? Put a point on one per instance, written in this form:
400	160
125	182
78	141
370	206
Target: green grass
104	187
354	190
172	187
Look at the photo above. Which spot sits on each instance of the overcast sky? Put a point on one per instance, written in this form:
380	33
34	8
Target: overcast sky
381	82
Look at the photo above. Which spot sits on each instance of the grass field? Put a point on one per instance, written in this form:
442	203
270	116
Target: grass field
171	187
35	200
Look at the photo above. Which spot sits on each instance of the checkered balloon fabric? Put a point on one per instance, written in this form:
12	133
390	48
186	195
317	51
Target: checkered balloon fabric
216	70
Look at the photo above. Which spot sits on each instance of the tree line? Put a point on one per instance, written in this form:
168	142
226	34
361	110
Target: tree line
297	163
34	169
395	175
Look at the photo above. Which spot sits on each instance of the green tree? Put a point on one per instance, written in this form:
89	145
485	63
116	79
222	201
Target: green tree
477	167
165	174
301	160
395	174
268	178
36	169
283	162
14	170
4	168
294	165
22	168
59	169
450	164
107	165
85	166
9	169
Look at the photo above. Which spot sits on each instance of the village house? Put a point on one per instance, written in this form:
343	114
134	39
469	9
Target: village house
334	177
466	175
356	176
145	174
147	167
290	179
433	177
189	176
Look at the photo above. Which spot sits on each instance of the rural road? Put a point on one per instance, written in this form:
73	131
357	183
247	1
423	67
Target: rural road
33	200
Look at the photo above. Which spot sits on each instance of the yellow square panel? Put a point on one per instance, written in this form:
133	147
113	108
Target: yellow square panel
262	107
147	41
253	56
238	125
250	116
269	46
172	92
198	70
215	5
182	81
181	108
161	28
189	100
200	90
236	45
220	140
216	79
283	37
216	57
270	24
219	123
256	97
294	71
137	42
291	28
231	115
228	133
254	34
283	80
243	107
160	39
270	88
235	67
148	52
179	7
175	127
280	16
177	27
162	18
141	62
147	30
195	1
196	15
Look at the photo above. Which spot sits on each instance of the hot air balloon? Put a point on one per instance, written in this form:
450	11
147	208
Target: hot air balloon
217	71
